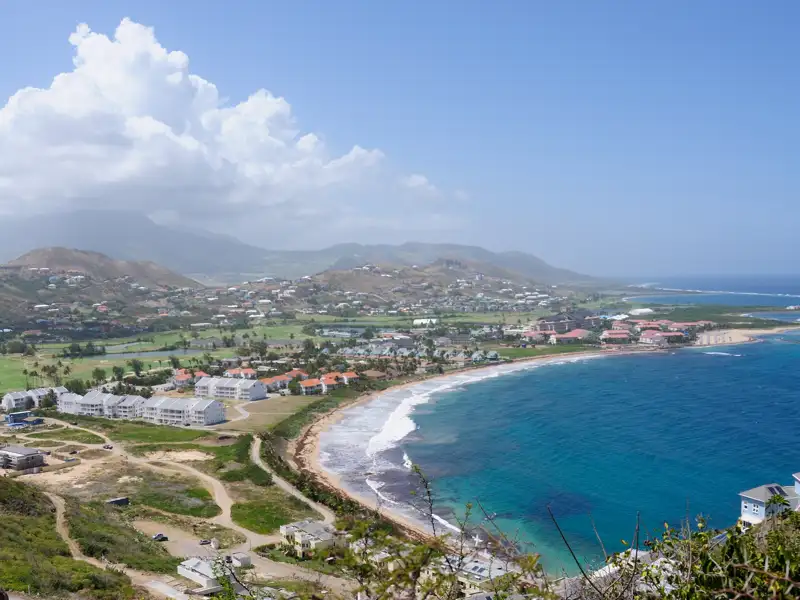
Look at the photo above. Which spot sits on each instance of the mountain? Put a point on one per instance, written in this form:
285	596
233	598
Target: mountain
132	236
99	267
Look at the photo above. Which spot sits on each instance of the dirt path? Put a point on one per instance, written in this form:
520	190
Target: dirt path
138	578
255	455
225	502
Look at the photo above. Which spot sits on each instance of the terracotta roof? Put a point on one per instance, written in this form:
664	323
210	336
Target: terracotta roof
281	378
350	374
310	382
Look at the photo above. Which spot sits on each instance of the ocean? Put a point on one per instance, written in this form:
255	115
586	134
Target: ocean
665	435
765	290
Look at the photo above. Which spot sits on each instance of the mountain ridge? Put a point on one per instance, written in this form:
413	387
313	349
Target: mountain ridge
128	235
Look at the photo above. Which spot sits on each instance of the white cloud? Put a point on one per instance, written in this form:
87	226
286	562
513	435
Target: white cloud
131	126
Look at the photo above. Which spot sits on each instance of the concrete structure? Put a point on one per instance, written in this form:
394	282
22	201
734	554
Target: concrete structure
308	537
230	388
20	458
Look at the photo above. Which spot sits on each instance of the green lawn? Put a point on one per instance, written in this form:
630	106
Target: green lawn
191	501
129	431
269	513
11	367
69	435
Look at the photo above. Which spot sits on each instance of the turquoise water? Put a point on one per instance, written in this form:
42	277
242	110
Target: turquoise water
665	434
750	290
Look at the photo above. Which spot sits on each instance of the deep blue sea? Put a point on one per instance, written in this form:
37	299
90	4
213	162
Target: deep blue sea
664	434
763	290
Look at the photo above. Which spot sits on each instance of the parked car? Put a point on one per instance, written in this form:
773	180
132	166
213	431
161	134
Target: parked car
73	451
205	542
160	537
108	446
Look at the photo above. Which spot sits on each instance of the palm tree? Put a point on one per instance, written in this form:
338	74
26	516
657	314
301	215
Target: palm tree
67	371
776	505
25	373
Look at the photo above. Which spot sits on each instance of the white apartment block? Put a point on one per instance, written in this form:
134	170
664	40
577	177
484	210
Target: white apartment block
230	388
17	400
183	411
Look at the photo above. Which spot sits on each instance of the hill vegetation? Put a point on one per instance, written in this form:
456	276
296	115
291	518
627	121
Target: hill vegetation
34	558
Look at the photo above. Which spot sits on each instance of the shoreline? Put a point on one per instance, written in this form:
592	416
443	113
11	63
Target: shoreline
304	451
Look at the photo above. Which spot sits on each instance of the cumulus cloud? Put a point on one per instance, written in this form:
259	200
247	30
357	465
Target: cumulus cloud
131	126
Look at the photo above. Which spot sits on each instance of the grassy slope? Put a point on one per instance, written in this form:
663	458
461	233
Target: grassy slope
102	533
34	557
69	435
128	431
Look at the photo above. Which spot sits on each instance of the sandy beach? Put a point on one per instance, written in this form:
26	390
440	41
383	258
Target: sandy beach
305	451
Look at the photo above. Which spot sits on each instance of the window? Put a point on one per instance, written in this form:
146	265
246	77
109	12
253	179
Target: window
745	506
755	509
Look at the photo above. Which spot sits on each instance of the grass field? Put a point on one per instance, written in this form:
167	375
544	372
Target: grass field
11	367
270	512
179	494
69	435
127	431
265	413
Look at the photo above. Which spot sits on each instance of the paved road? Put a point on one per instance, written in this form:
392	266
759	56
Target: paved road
255	455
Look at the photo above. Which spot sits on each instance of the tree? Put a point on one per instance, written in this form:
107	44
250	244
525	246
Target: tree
29	403
99	374
118	372
175	362
48	400
136	365
294	387
76	386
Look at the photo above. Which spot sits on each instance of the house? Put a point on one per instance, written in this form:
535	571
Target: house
31	398
38	394
275	384
621	326
660	338
571	337
311	386
305	538
332	381
350	377
202	572
754	507
373	374
240	373
295	373
533	337
15	401
183	380
615	337
560	323
19	458
68	403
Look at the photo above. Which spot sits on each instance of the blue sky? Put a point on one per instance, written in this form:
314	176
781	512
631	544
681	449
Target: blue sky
612	138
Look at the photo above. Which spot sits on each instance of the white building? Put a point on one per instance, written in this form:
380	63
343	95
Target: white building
17	400
231	388
183	411
754	501
202	573
307	537
68	403
130	407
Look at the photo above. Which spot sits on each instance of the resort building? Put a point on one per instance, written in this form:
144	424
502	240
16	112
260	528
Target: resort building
756	504
19	458
307	537
312	386
561	323
161	410
230	388
130	407
575	336
32	398
615	337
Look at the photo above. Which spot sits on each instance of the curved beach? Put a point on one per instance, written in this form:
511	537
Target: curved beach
347	448
353	448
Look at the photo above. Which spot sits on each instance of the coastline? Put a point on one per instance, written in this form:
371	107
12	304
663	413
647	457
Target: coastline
305	451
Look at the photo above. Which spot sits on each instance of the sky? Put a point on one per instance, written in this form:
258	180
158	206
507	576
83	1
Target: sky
614	138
